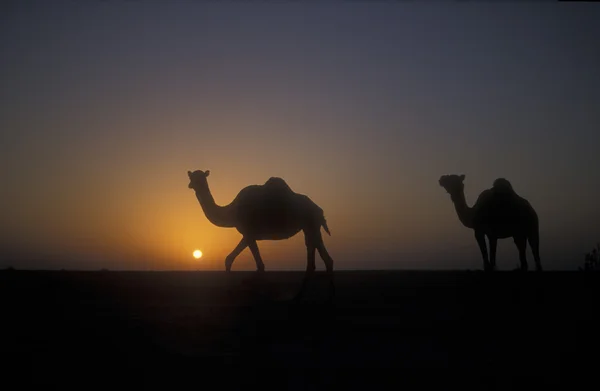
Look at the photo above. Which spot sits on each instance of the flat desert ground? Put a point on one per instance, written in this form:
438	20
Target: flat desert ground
214	330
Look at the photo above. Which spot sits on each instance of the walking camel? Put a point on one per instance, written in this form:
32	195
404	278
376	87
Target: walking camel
498	213
272	211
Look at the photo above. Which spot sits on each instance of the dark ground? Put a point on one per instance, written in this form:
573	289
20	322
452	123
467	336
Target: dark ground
188	329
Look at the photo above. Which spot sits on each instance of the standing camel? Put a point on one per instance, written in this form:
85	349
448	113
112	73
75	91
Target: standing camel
271	211
498	213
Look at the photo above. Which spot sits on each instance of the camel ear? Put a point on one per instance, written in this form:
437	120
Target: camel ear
462	177
206	173
189	174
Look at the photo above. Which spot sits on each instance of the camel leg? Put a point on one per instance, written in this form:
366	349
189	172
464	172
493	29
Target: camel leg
310	263
236	251
327	260
314	241
325	257
534	243
260	266
480	237
310	256
521	242
329	266
310	267
493	245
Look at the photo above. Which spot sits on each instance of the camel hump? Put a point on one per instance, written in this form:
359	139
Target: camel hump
503	186
504	192
278	185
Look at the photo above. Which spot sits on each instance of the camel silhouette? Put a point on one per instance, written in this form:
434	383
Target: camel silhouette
272	211
498	213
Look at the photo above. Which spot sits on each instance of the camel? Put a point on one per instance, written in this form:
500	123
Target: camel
498	213
272	211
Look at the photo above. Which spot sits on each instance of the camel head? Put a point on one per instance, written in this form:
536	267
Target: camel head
453	183
198	179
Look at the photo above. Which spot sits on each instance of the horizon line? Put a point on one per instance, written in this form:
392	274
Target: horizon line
105	270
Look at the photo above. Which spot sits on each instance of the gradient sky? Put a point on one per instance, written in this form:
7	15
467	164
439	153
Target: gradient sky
104	106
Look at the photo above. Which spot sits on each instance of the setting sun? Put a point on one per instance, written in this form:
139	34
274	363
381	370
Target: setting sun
197	254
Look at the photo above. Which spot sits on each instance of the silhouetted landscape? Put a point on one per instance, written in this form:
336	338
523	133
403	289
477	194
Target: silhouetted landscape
344	140
179	328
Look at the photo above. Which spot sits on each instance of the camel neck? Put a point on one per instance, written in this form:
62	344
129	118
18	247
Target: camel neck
462	209
217	215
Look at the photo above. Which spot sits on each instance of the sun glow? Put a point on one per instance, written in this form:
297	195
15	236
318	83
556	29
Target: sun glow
197	254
